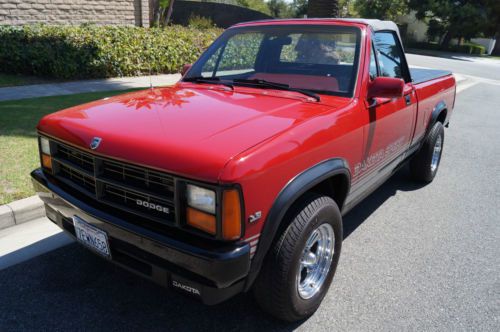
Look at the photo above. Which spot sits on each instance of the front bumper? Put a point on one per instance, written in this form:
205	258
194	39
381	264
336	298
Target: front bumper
210	272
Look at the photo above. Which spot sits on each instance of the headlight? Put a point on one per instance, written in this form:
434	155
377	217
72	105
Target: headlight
45	146
201	198
45	155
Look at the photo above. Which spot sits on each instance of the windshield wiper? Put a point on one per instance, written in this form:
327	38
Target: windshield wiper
209	80
279	86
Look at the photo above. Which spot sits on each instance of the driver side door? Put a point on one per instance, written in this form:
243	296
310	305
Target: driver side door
390	122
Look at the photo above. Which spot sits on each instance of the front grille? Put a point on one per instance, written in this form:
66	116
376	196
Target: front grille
144	192
80	179
76	157
140	178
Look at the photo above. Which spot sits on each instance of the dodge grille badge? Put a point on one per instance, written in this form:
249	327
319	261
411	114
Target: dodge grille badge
95	143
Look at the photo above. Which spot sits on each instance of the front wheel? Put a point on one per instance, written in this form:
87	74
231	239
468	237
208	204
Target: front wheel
299	268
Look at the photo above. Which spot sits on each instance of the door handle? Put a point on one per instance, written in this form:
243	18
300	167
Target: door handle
408	99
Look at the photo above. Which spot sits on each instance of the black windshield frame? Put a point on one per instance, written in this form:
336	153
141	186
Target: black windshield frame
222	40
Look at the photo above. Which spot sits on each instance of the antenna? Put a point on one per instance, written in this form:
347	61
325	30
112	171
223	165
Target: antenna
149	66
150	79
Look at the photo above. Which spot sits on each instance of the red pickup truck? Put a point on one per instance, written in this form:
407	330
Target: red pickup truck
237	177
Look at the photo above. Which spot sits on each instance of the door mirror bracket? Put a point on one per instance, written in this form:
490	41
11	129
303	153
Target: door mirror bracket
185	69
372	102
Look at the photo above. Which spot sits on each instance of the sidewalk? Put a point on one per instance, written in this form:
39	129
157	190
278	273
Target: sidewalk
23	242
67	88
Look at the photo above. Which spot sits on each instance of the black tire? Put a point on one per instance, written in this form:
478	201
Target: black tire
276	287
421	165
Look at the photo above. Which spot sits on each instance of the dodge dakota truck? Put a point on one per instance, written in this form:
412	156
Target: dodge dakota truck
236	178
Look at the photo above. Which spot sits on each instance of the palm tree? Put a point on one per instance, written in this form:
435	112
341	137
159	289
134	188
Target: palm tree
323	8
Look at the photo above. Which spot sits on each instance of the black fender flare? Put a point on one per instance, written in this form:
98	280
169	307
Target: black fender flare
440	107
295	188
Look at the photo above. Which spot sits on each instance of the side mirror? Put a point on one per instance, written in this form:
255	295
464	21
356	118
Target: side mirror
185	69
385	87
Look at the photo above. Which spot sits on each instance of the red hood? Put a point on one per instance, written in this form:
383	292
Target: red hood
189	130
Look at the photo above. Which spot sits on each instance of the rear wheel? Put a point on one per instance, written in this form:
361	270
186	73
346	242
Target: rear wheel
299	268
425	163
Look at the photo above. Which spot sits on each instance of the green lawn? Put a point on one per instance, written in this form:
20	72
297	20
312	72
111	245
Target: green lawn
18	145
13	80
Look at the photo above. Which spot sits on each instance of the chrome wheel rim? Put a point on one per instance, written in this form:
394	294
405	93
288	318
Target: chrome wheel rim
436	154
315	261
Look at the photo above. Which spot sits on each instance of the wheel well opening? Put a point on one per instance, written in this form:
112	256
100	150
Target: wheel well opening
335	187
442	116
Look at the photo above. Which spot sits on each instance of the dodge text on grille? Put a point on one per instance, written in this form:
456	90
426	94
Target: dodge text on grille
153	206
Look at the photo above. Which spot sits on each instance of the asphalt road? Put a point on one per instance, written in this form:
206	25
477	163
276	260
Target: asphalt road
415	258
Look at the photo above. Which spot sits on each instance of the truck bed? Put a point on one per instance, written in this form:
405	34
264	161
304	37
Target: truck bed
420	75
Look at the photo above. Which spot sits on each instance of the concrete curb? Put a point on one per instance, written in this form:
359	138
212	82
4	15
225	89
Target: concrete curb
21	211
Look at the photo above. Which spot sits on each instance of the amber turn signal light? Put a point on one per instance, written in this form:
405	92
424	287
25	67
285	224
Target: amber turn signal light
46	161
201	220
231	215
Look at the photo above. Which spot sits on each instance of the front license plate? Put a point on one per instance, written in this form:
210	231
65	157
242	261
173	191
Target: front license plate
91	237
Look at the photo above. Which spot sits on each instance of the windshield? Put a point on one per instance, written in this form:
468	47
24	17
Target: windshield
321	59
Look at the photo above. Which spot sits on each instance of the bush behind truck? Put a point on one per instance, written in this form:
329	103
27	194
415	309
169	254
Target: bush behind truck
90	51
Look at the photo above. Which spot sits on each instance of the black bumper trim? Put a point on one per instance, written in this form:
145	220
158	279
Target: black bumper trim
219	272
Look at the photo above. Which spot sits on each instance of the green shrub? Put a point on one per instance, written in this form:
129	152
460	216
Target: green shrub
200	22
469	48
90	51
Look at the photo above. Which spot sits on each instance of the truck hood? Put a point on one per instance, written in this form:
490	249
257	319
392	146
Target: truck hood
189	130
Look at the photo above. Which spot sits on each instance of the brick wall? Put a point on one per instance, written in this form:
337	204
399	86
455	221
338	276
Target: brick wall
115	12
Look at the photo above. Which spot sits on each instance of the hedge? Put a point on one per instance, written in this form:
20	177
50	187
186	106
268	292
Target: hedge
89	51
469	48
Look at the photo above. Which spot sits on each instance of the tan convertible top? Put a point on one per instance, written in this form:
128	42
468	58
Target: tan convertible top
376	25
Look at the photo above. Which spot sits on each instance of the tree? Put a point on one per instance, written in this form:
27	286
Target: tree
279	8
496	50
323	8
347	8
493	28
257	5
454	18
381	9
162	12
298	8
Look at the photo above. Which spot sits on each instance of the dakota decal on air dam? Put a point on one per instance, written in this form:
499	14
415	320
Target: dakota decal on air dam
378	156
